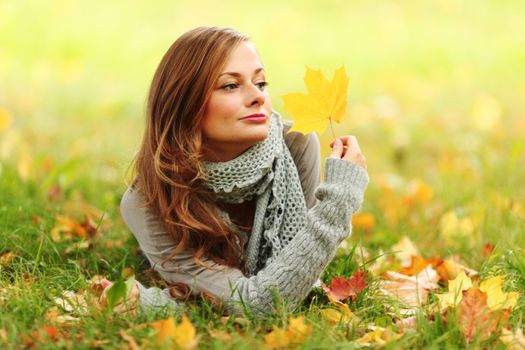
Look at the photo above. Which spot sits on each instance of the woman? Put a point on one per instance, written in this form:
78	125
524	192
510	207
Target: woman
225	201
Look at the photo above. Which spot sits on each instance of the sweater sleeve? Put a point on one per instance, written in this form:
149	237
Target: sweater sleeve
291	275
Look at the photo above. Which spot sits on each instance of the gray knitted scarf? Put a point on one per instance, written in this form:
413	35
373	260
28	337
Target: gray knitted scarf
267	172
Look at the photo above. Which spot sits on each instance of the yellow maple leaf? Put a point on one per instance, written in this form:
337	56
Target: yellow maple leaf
183	334
294	335
379	336
324	102
496	298
333	317
455	288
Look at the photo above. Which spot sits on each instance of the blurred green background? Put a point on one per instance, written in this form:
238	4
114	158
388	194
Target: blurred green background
436	87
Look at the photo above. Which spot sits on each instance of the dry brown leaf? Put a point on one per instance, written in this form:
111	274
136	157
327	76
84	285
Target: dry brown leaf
7	258
475	317
72	302
412	291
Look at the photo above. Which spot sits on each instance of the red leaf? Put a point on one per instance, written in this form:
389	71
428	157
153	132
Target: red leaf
342	288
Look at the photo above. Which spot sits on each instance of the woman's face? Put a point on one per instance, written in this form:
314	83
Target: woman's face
240	92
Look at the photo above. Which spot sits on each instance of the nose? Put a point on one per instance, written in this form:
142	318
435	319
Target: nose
256	96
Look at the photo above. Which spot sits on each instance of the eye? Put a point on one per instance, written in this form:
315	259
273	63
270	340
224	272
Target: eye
262	85
229	87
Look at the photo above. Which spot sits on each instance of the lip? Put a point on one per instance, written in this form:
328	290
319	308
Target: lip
255	118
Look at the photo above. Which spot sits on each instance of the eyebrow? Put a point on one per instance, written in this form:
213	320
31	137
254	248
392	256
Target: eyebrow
235	74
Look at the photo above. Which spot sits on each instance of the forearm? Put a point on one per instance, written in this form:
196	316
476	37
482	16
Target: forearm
292	274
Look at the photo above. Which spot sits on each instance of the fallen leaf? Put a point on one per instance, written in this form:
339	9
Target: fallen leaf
496	298
325	101
514	341
488	248
49	333
68	228
58	317
455	288
412	291
406	323
335	317
419	264
184	334
70	301
77	246
7	258
294	335
474	316
342	288
379	337
451	267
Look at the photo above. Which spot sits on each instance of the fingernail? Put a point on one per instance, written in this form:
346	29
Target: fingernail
337	142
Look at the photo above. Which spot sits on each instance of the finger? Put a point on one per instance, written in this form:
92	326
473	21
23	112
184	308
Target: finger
351	142
105	283
348	141
337	149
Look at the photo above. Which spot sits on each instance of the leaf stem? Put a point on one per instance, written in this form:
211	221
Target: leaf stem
332	127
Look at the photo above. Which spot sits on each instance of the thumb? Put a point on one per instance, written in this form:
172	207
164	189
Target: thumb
337	149
105	283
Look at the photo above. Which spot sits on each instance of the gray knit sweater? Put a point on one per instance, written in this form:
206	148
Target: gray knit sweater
291	275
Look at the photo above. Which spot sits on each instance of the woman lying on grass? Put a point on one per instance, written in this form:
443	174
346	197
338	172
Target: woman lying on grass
225	200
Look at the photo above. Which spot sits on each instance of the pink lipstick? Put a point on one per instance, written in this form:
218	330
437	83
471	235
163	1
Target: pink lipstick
255	118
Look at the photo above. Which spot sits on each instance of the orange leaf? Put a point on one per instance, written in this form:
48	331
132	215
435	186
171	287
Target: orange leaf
418	264
475	317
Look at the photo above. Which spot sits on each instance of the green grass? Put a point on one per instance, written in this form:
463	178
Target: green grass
435	95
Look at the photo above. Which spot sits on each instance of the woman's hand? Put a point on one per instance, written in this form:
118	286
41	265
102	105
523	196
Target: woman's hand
347	148
123	306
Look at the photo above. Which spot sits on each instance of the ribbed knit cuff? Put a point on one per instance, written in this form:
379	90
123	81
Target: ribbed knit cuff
156	297
349	178
339	170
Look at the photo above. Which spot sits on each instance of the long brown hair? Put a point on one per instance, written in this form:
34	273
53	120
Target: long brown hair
169	165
